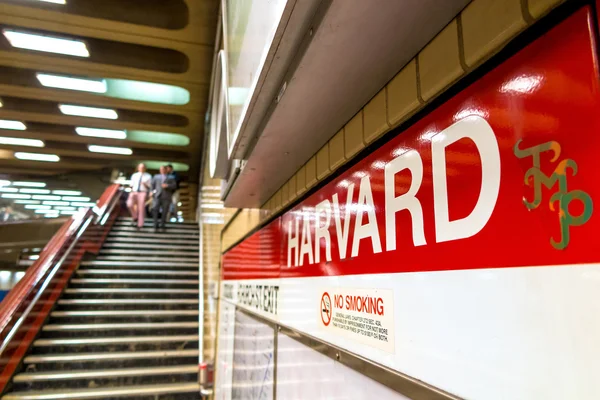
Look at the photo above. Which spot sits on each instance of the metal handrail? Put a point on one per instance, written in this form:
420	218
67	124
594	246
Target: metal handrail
16	308
42	288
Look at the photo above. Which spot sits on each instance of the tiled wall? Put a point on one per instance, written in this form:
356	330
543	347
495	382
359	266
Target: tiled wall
477	33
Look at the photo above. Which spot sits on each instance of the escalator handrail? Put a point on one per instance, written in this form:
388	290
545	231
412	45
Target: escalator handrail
35	276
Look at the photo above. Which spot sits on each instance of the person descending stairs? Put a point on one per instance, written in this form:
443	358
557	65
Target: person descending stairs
126	326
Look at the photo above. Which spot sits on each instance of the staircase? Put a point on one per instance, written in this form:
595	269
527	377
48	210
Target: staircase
126	326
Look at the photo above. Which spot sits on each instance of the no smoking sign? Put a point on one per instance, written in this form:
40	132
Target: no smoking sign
326	309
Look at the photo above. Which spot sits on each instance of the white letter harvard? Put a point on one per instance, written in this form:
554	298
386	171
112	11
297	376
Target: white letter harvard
480	132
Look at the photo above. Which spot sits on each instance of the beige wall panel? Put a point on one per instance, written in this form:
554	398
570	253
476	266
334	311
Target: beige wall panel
439	62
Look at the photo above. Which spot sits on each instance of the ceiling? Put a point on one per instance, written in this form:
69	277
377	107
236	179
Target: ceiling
168	42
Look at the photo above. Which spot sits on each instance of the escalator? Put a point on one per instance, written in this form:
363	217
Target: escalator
125	325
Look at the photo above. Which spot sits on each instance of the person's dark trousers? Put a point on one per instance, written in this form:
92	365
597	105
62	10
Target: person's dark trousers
158	204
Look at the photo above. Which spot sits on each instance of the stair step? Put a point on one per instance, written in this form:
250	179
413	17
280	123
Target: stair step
150	258
157	252
147	305
117	265
103	393
164	242
114	340
150	221
134	272
88	281
108	373
152	235
130	290
126	301
166	264
126	355
117	326
113	315
133	293
122	313
153	246
151	230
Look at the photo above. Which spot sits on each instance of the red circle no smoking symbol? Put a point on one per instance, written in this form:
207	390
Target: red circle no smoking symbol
325	309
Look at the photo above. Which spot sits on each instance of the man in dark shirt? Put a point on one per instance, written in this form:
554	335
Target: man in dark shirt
163	187
175	199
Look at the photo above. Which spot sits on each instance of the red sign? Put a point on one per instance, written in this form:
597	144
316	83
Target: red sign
503	174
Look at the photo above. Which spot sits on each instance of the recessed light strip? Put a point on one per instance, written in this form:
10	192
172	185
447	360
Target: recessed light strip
72	83
56	203
29	184
45	43
91	112
34	191
46	197
15	196
54	1
110	150
12	125
77	199
37	157
12	141
67	192
101	133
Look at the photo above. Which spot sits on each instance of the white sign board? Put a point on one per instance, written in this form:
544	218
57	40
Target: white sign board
253	359
225	351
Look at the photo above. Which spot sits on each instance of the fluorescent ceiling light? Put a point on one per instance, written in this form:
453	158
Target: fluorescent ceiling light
45	211
45	197
68	212
56	203
110	150
50	44
101	133
12	141
71	83
76	199
8	190
15	196
4	182
76	204
67	192
34	257
169	139
51	216
54	1
65	208
13	125
26	202
147	91
29	184
37	207
92	112
37	157
34	191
